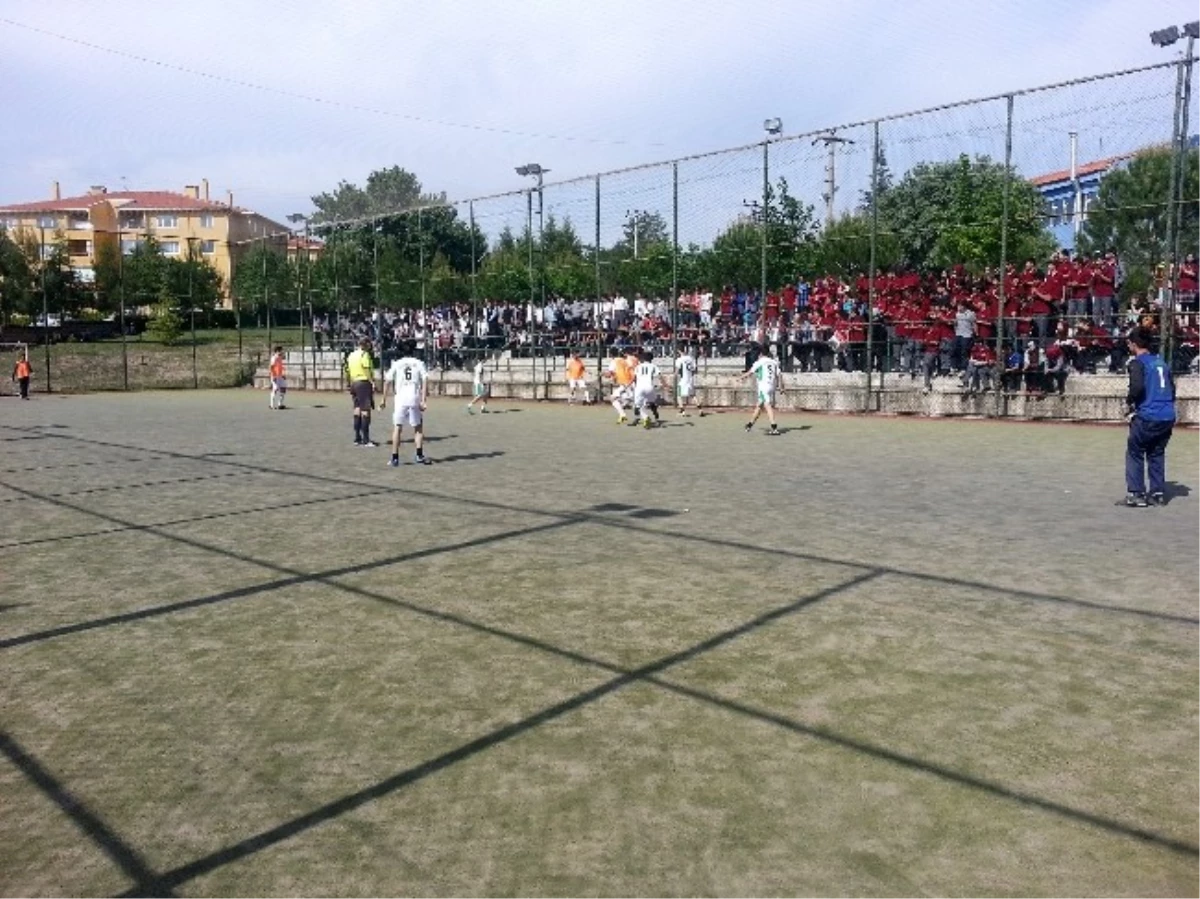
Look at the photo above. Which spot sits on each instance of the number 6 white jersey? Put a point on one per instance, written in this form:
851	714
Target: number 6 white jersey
407	377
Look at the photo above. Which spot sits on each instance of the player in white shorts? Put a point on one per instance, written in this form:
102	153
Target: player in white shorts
685	372
646	380
479	388
622	377
767	379
409	383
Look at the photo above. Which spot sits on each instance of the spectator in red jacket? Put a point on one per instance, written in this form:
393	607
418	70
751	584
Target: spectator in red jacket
1104	290
981	369
1054	371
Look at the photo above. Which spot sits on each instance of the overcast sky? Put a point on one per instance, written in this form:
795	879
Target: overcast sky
459	92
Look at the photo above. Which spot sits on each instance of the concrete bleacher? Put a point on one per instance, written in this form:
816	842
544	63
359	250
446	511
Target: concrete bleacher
1099	397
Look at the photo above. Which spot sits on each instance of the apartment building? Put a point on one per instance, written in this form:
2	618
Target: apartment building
219	231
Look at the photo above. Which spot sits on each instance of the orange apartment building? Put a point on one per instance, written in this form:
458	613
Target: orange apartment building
218	231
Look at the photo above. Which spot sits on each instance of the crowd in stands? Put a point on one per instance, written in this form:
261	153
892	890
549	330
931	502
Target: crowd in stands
1065	318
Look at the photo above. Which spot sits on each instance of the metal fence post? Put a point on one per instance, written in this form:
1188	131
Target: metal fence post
1001	400
871	265
675	273
600	333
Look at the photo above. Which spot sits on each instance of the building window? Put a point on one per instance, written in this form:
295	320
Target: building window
128	246
131	220
78	222
9	224
166	221
208	247
206	220
170	247
46	251
79	248
47	221
84	274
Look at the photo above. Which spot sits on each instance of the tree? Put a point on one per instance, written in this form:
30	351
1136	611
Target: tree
16	279
883	179
143	272
166	325
947	213
1129	215
845	247
387	192
262	279
791	238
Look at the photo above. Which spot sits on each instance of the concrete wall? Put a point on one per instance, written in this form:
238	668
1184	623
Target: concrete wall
1087	398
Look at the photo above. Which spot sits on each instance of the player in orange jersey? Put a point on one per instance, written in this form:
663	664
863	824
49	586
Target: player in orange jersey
278	380
576	380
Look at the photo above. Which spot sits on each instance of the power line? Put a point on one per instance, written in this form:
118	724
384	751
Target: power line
325	101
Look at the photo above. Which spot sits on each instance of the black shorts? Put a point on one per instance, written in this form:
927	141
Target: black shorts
363	393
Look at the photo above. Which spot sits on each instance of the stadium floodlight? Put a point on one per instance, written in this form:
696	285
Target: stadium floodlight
531	168
1192	29
773	126
1164	37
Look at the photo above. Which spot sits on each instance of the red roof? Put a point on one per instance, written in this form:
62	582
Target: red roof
122	199
301	243
1088	168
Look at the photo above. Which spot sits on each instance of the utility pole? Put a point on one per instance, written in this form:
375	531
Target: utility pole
831	142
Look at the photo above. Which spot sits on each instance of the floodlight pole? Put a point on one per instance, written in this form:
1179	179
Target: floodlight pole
762	296
1183	96
1165	37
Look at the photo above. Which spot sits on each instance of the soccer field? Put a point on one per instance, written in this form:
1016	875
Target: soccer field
241	656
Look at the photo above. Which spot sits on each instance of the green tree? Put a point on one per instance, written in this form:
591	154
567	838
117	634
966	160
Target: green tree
884	180
845	247
791	236
947	213
387	191
165	325
1130	216
17	279
143	271
262	279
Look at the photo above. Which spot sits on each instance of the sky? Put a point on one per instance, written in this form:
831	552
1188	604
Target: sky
308	94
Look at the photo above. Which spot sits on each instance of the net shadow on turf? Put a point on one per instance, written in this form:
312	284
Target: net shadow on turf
1025	595
150	882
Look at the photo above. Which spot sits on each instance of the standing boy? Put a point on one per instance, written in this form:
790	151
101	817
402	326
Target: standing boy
479	387
408	381
685	371
278	380
1151	402
22	372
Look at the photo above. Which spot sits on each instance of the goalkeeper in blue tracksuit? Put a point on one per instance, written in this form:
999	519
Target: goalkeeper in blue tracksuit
1151	402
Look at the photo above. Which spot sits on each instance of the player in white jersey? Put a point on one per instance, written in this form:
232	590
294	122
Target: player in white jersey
409	383
479	388
767	379
646	380
685	373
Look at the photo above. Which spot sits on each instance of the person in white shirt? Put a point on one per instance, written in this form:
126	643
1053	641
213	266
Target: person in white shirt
685	373
646	380
408	381
768	379
479	389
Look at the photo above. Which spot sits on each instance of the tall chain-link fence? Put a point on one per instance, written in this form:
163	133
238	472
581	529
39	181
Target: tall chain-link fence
891	262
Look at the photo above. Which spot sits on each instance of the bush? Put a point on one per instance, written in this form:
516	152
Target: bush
166	326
